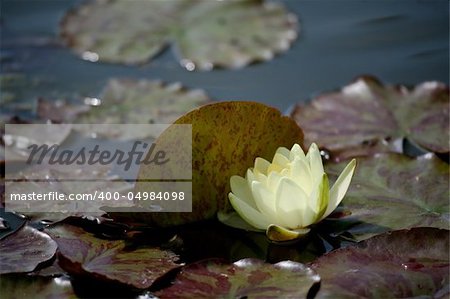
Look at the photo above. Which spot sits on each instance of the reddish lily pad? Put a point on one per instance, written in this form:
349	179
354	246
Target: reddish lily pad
247	278
228	34
402	264
226	139
24	250
393	191
15	287
80	253
366	117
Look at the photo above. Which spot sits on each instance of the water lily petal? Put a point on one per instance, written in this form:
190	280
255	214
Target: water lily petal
279	163
301	175
280	234
297	151
265	201
249	214
320	198
240	188
283	151
261	165
291	202
255	176
315	162
273	180
340	187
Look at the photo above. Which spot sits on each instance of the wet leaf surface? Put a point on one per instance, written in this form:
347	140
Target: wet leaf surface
64	180
247	278
226	139
126	101
24	250
18	137
366	117
82	254
393	191
206	34
18	287
11	221
401	264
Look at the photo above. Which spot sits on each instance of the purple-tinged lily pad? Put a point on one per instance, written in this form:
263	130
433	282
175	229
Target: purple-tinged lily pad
226	139
247	278
15	287
206	34
393	191
24	250
401	264
80	253
366	117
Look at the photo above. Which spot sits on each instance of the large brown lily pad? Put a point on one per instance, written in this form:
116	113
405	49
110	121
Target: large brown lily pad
366	116
80	253
402	264
226	139
206	33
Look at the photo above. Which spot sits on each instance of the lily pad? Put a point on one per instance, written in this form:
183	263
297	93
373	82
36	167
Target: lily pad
127	101
15	287
226	139
24	250
80	253
402	264
18	137
206	34
63	180
366	117
393	191
247	278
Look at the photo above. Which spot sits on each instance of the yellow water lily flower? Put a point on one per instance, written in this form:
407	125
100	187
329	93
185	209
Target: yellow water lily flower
288	195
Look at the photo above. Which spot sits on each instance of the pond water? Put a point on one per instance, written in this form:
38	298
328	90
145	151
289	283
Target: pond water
397	41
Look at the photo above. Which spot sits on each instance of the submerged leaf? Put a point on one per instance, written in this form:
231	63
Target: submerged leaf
24	250
80	253
206	33
401	264
247	278
226	139
367	117
393	191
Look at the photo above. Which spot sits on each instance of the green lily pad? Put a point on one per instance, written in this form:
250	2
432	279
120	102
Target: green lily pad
80	253
247	278
206	34
63	180
401	264
367	117
226	139
127	101
15	287
393	191
24	250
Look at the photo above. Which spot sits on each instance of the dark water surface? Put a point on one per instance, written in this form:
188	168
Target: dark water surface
397	41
